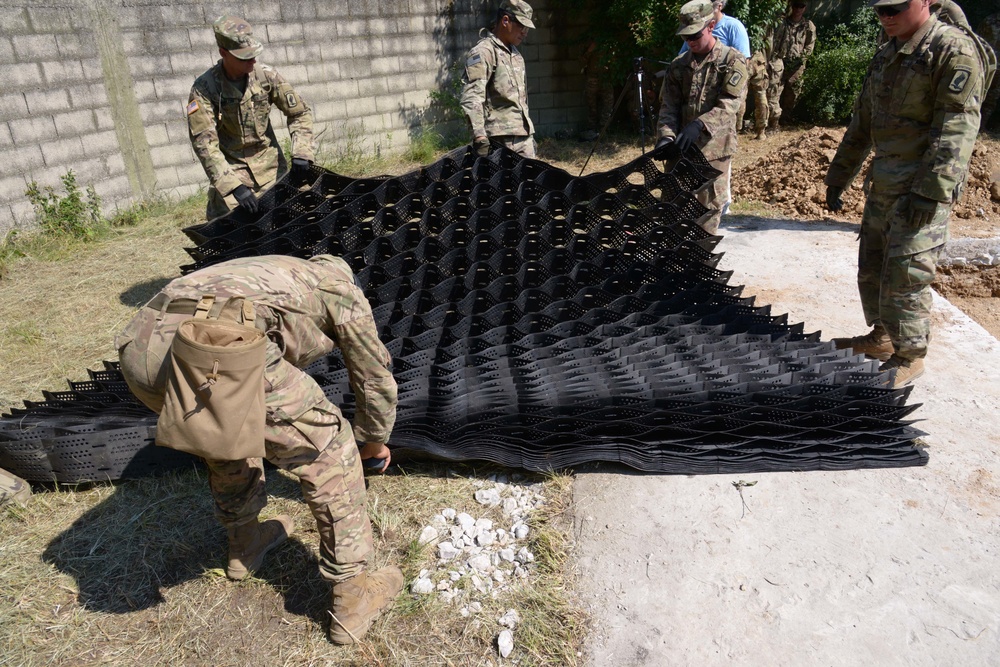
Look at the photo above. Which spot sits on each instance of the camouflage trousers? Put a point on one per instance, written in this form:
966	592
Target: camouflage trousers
760	108
715	195
897	263
784	90
523	146
13	489
304	434
219	204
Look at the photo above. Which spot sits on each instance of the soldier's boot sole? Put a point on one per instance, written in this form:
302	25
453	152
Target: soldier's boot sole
358	601
907	370
875	344
248	545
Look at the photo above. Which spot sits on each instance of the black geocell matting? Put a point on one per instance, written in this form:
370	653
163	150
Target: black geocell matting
536	320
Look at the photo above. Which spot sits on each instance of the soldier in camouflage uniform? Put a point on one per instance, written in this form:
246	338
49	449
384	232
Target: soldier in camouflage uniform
597	91
229	122
700	101
13	489
307	308
789	45
990	31
919	109
495	93
759	80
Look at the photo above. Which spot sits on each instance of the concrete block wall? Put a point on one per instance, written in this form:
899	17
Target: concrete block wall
100	86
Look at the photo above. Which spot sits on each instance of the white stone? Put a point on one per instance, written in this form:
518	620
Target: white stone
447	551
485	537
454	576
444	585
509	505
520	572
439	520
521	531
488	497
525	556
449	514
507	555
484	524
499	576
465	521
510	619
427	535
457	531
475	607
480	563
422	586
505	643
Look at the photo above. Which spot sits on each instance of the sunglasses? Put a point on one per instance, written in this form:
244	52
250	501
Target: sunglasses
892	10
695	37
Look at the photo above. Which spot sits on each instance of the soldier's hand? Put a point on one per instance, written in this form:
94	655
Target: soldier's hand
376	456
246	198
662	142
482	146
833	200
921	210
689	135
300	167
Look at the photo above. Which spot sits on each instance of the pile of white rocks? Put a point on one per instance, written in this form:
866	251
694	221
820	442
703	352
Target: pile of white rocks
974	252
480	558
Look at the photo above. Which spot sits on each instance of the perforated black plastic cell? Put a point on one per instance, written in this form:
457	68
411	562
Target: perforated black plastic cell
537	320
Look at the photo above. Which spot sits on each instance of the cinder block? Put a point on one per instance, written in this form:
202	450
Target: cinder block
352	28
172	88
332	10
21	158
184	191
7	55
50	19
92	69
192	174
177	132
419	99
312	92
319	33
155	112
105	121
321	73
202	38
100	143
34	129
176	14
168	41
382	27
298	12
335	49
541	101
75	45
366	48
278	33
63	151
384	65
276	55
363	8
305	53
23	213
187	63
22	76
166	177
149	66
30	48
13	106
12	188
6	138
331	110
14	20
75	123
145	90
294	73
115	166
259	12
372	87
345	89
170	155
62	72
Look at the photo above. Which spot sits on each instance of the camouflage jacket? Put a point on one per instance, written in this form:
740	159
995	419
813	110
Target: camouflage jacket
919	109
495	94
231	125
791	43
312	306
710	91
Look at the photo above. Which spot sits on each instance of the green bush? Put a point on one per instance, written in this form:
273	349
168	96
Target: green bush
69	214
837	69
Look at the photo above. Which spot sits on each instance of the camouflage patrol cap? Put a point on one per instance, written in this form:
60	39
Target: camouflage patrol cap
520	10
236	36
694	16
883	3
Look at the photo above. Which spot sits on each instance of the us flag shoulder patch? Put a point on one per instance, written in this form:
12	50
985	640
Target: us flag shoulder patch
192	107
474	59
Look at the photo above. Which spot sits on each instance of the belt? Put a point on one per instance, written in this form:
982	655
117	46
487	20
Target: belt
237	308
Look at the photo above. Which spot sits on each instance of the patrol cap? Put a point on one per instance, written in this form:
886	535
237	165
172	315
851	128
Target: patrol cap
520	10
883	3
236	36
694	16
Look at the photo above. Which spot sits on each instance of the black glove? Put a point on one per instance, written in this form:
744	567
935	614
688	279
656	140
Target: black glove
300	167
246	198
689	135
481	146
833	200
662	142
921	210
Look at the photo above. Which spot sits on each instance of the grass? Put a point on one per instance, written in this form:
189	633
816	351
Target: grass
131	572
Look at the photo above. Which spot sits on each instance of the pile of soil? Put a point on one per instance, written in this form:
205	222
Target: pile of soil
968	281
790	179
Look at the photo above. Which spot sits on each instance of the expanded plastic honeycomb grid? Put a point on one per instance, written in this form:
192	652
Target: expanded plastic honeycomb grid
536	320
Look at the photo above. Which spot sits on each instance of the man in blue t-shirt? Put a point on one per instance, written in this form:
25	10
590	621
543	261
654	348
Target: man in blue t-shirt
728	30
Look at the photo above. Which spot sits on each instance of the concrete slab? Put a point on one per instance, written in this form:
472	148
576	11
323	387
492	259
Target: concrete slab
873	567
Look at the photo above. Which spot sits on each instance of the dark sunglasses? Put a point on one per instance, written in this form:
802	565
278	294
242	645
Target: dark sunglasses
694	37
892	10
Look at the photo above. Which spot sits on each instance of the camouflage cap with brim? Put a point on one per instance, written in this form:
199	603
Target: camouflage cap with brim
236	36
520	10
694	16
883	3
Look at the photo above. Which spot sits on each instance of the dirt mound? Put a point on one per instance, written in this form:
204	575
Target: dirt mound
968	281
790	179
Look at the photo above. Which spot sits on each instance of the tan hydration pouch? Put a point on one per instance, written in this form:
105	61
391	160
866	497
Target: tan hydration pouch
214	402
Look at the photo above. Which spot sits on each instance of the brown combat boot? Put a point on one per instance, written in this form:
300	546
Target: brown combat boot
761	134
907	370
875	344
249	543
357	601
